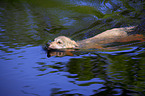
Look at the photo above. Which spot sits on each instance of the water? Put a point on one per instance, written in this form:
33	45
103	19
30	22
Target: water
28	70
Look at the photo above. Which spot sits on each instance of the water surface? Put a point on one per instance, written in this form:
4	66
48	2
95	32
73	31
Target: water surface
28	70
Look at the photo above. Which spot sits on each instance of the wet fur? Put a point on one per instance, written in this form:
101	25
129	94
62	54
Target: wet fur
98	41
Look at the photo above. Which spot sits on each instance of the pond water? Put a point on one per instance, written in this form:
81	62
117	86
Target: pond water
28	70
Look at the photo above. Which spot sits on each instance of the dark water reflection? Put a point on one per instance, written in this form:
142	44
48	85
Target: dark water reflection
27	70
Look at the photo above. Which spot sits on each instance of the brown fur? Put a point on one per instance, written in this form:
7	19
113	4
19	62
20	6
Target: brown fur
63	42
98	41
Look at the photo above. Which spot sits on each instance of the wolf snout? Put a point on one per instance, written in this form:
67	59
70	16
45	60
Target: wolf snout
47	44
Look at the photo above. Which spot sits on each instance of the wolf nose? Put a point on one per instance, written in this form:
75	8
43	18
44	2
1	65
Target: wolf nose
47	44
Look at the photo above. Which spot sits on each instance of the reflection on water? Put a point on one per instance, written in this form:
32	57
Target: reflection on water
27	70
60	53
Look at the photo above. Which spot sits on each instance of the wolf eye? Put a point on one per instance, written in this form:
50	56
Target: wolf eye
59	42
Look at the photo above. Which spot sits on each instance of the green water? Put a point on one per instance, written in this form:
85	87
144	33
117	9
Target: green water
28	70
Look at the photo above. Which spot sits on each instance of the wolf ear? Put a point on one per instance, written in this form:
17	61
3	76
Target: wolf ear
74	43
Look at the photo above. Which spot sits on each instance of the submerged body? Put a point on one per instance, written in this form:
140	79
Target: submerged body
98	41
